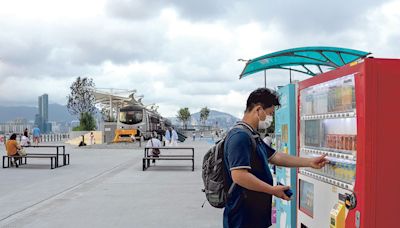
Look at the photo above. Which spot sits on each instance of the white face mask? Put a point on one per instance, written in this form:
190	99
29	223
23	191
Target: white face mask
264	124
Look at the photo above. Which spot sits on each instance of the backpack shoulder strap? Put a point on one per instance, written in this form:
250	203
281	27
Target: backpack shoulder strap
253	136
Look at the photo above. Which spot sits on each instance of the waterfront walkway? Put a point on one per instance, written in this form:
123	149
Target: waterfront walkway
104	186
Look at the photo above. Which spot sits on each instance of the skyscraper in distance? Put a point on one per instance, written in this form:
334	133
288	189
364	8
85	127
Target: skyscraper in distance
42	118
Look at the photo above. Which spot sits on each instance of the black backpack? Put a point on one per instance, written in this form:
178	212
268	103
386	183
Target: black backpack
213	173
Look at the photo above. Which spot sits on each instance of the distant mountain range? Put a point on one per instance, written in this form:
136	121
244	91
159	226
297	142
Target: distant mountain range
57	113
222	119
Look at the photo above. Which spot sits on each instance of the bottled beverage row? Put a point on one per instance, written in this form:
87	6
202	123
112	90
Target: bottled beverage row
335	96
339	169
336	115
332	181
341	141
335	134
305	151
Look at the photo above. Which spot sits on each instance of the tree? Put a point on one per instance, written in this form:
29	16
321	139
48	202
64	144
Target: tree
184	116
81	103
86	122
204	113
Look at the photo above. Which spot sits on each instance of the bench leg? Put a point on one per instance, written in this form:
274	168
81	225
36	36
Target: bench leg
51	163
192	165
65	159
4	159
144	164
148	163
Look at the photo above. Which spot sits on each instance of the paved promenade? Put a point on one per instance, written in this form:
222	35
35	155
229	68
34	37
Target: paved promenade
106	187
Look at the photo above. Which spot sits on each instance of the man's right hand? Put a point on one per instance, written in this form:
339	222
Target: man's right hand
278	191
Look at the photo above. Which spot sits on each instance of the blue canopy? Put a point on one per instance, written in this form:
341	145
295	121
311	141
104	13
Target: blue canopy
304	57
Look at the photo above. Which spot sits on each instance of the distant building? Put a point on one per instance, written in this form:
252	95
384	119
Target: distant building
16	126
59	127
42	118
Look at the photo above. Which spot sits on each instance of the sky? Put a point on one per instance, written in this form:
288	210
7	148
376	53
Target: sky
175	53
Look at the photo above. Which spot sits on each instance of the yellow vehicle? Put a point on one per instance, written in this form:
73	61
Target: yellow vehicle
125	135
135	120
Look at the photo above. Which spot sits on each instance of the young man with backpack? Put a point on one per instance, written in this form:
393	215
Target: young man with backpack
248	203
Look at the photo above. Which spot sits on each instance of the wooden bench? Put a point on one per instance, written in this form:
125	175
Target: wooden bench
23	159
147	157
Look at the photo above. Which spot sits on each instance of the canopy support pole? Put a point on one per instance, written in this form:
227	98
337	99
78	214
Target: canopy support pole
265	78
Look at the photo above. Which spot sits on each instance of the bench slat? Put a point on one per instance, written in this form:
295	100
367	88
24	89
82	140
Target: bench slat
170	148
149	158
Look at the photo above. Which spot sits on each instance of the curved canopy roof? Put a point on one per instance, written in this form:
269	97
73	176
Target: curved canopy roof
302	58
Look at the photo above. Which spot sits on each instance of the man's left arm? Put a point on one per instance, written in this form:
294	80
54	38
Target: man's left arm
283	159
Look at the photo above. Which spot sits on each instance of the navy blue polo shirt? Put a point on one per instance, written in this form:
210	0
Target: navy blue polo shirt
246	208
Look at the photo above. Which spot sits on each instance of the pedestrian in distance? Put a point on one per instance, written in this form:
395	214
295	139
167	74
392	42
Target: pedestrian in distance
154	142
167	137
174	137
92	138
36	135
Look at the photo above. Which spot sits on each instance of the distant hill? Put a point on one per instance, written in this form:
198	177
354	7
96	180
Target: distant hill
57	113
224	120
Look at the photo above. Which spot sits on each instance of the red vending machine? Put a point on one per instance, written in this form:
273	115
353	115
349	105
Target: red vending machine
351	114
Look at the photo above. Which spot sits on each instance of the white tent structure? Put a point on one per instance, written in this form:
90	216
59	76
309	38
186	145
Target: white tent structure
110	99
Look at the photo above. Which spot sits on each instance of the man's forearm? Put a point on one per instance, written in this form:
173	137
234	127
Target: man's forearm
283	159
251	182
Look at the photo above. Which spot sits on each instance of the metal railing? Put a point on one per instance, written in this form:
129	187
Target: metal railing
43	138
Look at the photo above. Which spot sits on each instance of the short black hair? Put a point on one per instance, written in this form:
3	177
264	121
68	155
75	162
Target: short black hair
13	137
264	97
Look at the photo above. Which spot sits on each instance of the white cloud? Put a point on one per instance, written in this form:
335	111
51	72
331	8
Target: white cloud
48	10
177	54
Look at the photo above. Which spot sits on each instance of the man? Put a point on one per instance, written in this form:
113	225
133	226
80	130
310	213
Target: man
36	135
167	137
174	137
154	142
249	204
